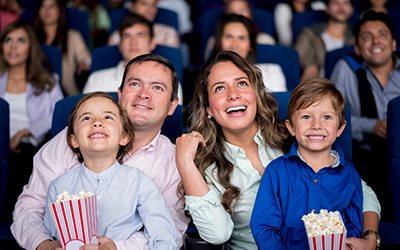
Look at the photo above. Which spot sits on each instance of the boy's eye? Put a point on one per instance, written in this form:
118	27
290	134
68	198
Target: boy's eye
305	117
327	117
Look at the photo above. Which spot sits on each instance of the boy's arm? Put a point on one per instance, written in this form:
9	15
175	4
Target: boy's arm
52	160
266	219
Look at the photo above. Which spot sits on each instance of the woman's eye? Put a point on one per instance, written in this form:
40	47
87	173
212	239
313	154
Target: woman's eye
219	89
242	83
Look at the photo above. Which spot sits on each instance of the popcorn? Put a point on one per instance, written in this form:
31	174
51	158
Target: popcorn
65	196
325	230
75	217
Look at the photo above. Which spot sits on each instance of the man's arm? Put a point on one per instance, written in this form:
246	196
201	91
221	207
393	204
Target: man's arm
52	160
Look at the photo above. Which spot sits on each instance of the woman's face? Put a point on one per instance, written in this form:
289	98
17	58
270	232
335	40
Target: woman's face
16	47
232	99
49	12
236	38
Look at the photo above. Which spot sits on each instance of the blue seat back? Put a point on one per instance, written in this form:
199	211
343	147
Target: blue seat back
110	56
332	57
393	136
54	58
306	19
172	127
345	139
286	57
4	152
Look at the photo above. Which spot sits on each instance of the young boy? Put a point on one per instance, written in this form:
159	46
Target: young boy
101	134
312	176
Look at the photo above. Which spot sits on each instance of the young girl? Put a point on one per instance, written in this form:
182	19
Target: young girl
100	133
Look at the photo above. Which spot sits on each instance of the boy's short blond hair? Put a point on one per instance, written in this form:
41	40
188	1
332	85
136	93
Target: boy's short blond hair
313	90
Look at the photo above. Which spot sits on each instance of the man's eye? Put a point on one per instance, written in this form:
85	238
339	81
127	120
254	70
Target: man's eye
158	88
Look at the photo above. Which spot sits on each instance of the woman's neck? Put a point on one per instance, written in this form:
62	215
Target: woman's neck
51	31
245	139
16	82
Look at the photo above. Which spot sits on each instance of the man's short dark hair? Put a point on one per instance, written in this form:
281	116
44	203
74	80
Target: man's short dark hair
158	59
132	19
371	15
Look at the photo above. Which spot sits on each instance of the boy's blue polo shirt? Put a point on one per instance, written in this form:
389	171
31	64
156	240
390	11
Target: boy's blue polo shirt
290	189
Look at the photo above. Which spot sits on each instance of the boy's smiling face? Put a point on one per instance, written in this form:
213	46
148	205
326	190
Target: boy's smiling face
315	127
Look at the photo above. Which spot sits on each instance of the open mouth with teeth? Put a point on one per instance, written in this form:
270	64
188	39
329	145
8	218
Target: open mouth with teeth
231	110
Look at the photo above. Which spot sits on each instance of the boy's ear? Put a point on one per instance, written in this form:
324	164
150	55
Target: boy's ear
290	127
341	129
74	143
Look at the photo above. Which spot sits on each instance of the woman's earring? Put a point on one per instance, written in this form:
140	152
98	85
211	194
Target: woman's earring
209	116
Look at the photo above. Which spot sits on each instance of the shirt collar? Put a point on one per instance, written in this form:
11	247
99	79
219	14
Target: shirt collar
148	147
336	152
232	152
102	176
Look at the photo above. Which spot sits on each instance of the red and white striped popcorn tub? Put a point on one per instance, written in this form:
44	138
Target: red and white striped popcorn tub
328	241
76	222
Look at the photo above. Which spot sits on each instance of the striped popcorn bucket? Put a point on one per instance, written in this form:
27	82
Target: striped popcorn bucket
76	222
328	241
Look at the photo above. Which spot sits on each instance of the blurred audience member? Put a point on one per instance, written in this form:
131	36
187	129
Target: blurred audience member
163	34
283	17
31	92
313	42
182	8
52	29
237	33
99	21
10	11
367	90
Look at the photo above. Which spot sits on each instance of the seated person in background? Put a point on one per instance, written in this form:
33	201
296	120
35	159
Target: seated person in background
99	20
237	33
52	29
101	135
314	175
283	17
182	8
136	34
137	38
32	93
163	34
152	152
242	7
368	91
313	42
376	5
10	11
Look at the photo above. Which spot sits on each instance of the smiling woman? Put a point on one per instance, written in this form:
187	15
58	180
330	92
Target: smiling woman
239	133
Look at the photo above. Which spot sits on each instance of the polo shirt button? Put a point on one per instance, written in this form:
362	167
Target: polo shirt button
315	181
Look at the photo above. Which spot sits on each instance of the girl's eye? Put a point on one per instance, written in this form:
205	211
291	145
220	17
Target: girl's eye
108	117
85	118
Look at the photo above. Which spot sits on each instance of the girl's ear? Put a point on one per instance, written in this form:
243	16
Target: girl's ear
73	141
124	140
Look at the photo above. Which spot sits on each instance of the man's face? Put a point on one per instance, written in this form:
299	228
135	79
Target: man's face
375	43
136	41
146	8
339	10
146	95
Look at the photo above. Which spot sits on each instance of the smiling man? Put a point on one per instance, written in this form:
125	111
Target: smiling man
368	91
